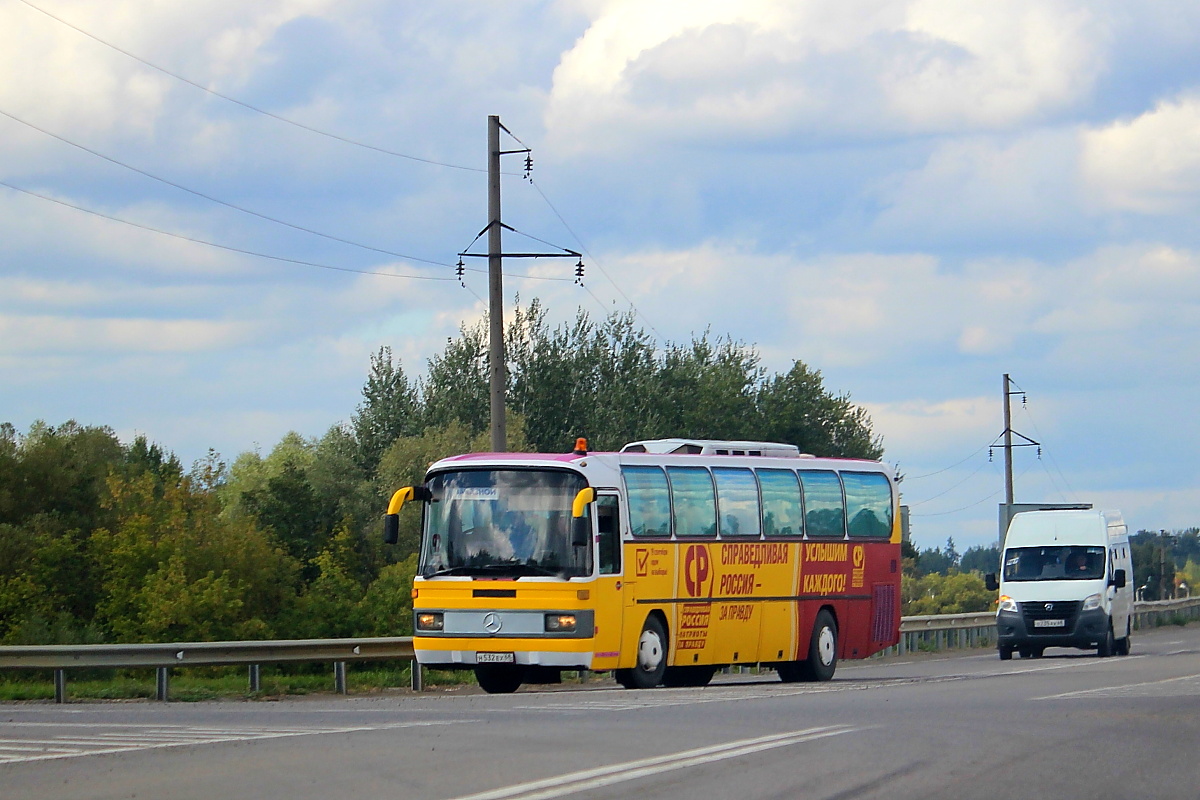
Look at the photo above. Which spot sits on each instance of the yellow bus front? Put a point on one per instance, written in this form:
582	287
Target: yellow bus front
506	582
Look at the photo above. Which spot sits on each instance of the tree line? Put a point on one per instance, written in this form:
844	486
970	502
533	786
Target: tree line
104	541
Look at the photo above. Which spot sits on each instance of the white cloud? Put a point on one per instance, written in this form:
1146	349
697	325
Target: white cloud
678	70
48	334
1149	164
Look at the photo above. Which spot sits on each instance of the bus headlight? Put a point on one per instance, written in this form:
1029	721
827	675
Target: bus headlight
1007	603
430	621
1092	603
560	623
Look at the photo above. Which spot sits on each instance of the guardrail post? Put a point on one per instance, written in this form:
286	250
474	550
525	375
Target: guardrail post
162	684
418	676
339	677
60	686
255	678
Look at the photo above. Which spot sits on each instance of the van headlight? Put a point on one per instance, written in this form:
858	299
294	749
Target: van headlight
1007	603
1092	602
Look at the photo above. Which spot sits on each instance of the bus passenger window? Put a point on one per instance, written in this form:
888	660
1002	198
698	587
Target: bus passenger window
737	499
868	504
824	509
782	512
608	520
649	501
692	501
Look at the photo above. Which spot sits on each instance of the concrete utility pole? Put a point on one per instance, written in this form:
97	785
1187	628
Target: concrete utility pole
496	369
495	256
1008	476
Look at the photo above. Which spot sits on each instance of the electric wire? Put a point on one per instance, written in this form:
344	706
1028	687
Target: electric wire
254	253
945	469
592	259
229	248
249	106
219	201
977	502
951	489
1049	455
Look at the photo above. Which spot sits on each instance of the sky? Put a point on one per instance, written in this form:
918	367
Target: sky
915	197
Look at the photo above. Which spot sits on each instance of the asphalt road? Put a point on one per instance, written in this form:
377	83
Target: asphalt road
1067	726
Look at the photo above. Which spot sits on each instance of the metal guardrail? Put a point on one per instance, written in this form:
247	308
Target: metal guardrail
164	657
932	632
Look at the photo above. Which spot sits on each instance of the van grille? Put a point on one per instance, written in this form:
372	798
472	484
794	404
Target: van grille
1053	609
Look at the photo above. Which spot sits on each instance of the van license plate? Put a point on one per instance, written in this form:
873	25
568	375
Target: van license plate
1049	623
495	658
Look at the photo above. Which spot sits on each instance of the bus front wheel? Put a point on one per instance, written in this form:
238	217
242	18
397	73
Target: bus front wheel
651	658
498	678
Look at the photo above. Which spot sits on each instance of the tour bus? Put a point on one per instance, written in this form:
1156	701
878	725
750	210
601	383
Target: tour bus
1067	581
661	562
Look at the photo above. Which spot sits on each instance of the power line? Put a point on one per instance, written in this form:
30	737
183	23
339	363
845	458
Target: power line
952	488
945	469
219	201
593	259
1049	455
229	248
244	251
242	103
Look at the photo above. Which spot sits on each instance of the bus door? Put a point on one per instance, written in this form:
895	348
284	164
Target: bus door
609	585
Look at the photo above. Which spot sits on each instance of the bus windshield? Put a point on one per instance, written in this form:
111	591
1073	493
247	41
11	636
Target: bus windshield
503	523
1055	563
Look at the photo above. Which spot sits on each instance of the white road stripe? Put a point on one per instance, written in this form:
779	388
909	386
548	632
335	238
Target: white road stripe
1124	688
599	777
134	737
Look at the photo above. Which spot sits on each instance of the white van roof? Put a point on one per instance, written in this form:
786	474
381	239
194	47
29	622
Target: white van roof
1071	526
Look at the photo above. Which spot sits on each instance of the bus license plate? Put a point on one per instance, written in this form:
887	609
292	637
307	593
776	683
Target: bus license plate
1049	623
495	658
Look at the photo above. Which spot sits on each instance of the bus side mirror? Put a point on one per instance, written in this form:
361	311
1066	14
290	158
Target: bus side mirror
991	582
391	521
580	527
1118	579
580	532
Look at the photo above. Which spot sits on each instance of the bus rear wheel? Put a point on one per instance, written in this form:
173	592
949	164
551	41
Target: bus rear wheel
822	653
499	678
651	658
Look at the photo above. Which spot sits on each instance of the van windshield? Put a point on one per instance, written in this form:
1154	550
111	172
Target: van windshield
1055	563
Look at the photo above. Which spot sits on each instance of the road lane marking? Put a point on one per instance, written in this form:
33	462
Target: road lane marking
1124	689
134	737
600	777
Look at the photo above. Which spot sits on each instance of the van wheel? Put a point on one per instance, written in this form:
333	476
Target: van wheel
651	658
1108	645
1005	653
1123	644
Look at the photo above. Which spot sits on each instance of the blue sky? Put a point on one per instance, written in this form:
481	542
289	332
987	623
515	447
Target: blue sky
913	197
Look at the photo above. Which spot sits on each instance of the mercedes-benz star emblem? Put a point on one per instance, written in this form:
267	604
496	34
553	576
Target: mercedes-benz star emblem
492	622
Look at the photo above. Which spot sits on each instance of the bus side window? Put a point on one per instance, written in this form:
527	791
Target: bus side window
608	520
